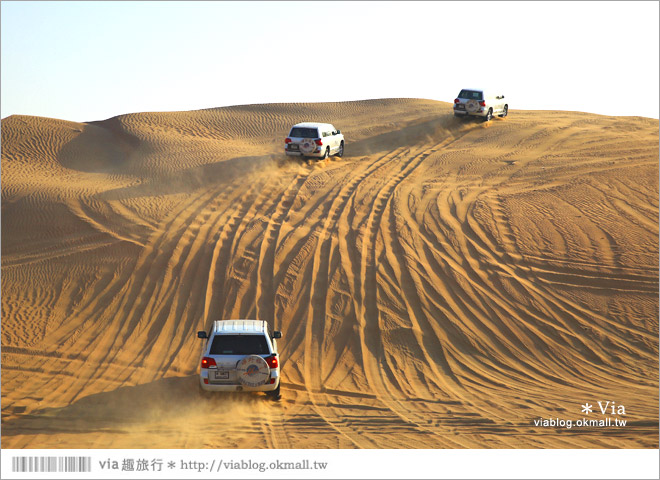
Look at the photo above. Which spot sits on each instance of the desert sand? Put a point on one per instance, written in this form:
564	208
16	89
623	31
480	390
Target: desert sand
443	285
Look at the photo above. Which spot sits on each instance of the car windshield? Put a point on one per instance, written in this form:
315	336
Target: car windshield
470	95
239	345
302	132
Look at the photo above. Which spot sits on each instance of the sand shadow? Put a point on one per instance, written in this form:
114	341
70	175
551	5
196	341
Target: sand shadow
169	400
105	147
434	130
101	147
223	172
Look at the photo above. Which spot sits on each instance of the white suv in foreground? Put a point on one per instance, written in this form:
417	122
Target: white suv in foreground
476	102
240	355
314	140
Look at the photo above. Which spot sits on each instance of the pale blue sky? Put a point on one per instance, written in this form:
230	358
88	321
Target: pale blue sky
86	61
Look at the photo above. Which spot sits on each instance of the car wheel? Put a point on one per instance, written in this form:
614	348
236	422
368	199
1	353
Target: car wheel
340	152
307	146
326	153
505	111
489	115
275	394
252	371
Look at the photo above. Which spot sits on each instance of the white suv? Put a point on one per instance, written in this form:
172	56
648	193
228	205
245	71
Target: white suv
473	101
314	140
240	355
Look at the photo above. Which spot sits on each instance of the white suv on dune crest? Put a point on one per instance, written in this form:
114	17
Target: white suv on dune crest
240	355
314	140
476	102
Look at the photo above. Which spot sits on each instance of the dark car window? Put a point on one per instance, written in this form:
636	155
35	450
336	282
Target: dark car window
239	345
470	95
301	132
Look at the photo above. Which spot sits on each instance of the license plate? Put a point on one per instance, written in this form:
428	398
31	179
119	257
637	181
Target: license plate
460	107
222	375
293	147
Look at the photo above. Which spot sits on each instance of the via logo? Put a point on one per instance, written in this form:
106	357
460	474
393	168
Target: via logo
614	409
620	409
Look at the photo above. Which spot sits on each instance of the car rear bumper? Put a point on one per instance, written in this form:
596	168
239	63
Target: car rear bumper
211	386
300	154
239	388
482	112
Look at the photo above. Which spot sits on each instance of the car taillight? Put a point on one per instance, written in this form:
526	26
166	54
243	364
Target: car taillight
208	362
318	141
271	361
287	140
456	100
482	103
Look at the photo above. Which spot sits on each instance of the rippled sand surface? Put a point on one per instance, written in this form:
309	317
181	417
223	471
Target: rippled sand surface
442	285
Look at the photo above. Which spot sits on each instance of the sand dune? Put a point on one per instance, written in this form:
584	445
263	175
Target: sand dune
443	285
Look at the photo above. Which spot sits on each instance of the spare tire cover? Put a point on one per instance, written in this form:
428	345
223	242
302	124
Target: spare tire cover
472	106
253	371
307	145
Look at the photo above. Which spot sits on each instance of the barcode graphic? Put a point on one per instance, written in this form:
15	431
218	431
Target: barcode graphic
51	464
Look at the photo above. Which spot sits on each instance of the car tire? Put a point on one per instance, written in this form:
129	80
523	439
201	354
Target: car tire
489	115
505	111
252	371
340	152
307	146
472	106
326	153
275	394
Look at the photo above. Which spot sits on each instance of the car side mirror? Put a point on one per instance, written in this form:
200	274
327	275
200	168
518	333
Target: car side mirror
338	132
277	334
201	334
502	96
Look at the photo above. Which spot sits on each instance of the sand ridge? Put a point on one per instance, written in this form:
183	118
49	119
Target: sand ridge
441	286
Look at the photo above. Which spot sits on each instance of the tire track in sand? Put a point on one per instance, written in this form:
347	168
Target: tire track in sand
316	314
117	305
266	263
366	303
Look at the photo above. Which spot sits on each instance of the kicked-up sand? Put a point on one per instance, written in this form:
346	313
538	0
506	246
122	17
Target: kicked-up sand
446	284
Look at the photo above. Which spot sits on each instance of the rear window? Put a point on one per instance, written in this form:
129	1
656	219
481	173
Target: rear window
302	132
238	345
470	95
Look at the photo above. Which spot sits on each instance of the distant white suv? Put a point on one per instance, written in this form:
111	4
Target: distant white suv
474	101
314	140
240	355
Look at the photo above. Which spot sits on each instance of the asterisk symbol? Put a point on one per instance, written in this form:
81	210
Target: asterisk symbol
171	465
586	408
